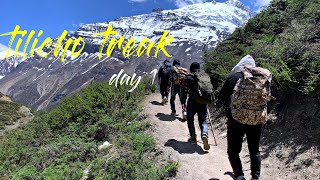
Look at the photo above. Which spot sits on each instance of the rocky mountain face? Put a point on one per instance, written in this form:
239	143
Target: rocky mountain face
6	65
41	82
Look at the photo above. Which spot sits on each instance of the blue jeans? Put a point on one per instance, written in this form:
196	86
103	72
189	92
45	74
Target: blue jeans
182	96
201	110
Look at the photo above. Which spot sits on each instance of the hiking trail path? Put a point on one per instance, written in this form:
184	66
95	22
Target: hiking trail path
171	134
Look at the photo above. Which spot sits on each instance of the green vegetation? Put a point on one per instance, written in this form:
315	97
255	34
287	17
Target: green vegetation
62	143
284	38
9	113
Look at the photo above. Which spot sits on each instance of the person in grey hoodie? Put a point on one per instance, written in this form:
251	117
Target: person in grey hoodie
236	130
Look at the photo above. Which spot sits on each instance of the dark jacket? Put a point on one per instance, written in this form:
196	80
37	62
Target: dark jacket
224	97
164	79
191	86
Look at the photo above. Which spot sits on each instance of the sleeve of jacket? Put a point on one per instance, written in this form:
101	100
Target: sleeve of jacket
171	74
227	90
270	97
160	73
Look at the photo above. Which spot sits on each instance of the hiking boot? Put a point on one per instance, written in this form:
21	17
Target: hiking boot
162	102
240	178
192	140
184	115
165	100
205	141
173	113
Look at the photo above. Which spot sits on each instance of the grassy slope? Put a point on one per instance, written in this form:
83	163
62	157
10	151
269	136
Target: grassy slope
62	143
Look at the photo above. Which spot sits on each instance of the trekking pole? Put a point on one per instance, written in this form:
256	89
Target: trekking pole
214	137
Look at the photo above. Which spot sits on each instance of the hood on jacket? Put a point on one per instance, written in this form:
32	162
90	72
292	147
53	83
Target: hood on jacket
247	60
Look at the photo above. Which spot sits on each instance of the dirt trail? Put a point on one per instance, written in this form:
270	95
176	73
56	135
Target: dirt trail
28	116
171	134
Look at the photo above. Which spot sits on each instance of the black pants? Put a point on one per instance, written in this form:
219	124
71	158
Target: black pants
164	89
235	134
175	89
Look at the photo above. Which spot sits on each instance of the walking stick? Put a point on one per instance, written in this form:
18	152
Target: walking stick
210	121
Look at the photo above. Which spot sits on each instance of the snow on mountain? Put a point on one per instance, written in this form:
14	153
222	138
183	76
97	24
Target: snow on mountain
228	15
205	22
6	65
41	82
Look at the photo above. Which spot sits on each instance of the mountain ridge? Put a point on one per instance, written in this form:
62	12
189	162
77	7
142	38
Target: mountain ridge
41	82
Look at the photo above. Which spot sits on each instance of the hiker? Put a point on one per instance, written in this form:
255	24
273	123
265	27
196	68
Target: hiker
164	77
178	87
245	93
197	103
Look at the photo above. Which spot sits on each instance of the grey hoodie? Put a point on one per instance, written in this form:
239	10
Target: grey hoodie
247	60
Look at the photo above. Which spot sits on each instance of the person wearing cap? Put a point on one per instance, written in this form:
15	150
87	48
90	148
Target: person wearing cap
195	108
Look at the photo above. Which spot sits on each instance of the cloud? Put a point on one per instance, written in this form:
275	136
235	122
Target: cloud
182	3
3	47
260	4
139	1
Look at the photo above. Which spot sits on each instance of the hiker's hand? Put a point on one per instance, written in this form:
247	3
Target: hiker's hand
271	98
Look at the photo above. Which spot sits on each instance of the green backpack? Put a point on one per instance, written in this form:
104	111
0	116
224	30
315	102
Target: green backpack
204	91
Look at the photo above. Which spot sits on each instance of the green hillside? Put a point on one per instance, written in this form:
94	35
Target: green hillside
63	143
284	38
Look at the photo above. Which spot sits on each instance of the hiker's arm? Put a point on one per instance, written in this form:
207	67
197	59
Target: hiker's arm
188	81
160	74
270	97
227	90
171	77
223	95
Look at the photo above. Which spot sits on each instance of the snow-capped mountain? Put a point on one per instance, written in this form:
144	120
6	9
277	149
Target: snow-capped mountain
39	82
206	23
6	65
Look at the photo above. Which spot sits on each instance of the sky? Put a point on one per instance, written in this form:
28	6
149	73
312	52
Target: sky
55	16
